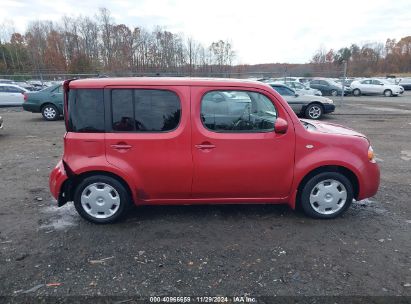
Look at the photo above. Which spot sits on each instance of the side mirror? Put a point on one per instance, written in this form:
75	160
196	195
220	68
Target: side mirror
296	94
280	126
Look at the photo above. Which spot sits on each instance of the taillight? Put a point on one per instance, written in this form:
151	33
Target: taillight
25	96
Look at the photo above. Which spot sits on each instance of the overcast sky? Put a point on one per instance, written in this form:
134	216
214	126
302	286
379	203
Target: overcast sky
262	31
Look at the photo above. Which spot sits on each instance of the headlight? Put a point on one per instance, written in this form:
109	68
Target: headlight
371	156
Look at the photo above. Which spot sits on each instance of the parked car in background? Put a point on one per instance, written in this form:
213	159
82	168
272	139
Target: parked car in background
48	102
371	86
171	141
6	81
25	85
405	83
11	95
300	88
309	106
329	87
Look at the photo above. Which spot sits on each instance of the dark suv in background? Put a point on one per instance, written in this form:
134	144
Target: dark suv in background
329	87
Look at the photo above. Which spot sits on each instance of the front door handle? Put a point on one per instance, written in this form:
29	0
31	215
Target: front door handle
205	146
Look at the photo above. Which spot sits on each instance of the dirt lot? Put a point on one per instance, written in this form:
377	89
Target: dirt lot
206	250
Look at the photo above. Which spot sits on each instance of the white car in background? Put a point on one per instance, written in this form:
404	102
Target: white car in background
300	88
373	86
11	95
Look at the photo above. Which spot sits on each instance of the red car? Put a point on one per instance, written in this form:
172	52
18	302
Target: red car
166	141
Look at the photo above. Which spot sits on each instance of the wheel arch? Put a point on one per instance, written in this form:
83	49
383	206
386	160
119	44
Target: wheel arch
305	107
348	173
71	184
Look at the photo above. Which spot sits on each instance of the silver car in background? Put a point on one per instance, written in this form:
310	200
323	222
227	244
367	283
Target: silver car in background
300	88
308	106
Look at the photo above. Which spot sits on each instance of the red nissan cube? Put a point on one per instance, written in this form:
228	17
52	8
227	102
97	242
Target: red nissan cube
180	141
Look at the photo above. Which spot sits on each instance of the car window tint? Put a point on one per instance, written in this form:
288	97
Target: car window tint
141	110
283	91
122	110
86	110
237	111
11	89
156	110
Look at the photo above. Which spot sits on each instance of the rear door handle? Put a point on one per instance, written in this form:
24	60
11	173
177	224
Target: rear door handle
121	147
205	146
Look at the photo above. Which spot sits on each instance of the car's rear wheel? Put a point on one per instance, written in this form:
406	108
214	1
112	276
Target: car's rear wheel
101	199
387	93
50	112
334	93
326	195
314	111
356	92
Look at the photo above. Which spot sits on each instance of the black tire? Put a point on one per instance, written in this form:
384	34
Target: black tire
387	93
334	92
314	108
125	200
50	112
356	92
313	182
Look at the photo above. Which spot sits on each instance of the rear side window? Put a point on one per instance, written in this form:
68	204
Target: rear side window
237	111
86	110
139	110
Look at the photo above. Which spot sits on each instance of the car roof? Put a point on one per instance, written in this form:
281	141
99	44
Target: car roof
163	81
9	85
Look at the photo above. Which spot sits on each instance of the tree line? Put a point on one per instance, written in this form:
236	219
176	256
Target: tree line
99	45
369	59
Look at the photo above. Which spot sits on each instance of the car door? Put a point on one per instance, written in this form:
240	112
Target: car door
15	95
3	95
366	87
149	138
377	86
56	97
236	153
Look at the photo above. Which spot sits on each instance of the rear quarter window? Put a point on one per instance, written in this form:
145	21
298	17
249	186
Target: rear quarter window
86	110
143	110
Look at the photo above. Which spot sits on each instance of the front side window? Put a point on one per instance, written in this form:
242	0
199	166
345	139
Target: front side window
284	91
86	110
237	111
140	110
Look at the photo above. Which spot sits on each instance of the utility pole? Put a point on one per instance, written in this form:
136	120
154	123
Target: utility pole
343	81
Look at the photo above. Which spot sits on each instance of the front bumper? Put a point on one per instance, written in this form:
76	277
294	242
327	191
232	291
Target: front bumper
328	108
57	179
369	181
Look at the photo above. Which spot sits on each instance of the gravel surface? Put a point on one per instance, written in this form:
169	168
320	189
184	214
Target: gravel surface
206	250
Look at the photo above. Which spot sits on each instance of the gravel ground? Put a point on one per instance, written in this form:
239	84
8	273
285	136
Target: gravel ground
206	250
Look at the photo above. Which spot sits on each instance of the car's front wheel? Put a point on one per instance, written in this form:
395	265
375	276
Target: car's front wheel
101	199
356	92
314	111
50	112
326	195
387	93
